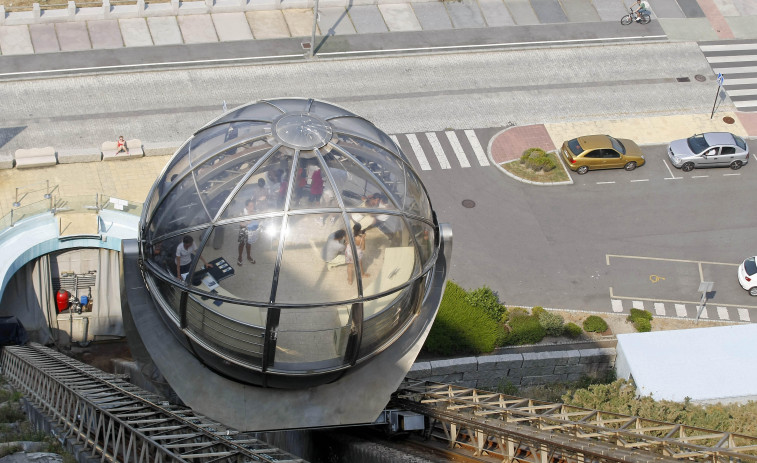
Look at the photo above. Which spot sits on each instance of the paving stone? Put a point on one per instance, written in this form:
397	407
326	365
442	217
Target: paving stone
105	34
300	22
335	21
534	371
457	365
500	361
667	9
197	28
495	13
522	12
72	156
451	378
231	26
399	17
419	370
432	16
73	36
135	33
549	11
693	29
15	40
746	7
727	7
6	160
367	19
744	27
542	359
580	11
267	24
610	10
160	148
164	30
44	38
488	374
691	8
465	14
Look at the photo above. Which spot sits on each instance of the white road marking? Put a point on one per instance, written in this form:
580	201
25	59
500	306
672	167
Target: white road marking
680	310
477	150
744	81
659	308
726	175
699	176
438	150
731	58
418	151
743	315
457	148
604	183
723	313
745	70
617	305
637	305
742	47
641	180
672	176
704	313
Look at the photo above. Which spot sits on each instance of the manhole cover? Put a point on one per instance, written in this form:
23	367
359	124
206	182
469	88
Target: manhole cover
728	120
469	203
700	78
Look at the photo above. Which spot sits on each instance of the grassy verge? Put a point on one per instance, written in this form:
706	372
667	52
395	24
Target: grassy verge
557	174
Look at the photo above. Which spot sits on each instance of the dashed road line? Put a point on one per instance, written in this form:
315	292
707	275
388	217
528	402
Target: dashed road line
743	315
659	308
699	176
418	151
477	149
438	150
680	310
457	148
722	313
617	306
604	183
640	180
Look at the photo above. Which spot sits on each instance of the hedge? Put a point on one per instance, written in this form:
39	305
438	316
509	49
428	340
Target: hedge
525	330
484	298
595	324
461	328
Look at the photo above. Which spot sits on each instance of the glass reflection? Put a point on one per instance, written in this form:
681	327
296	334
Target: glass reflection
384	317
313	265
384	165
243	258
352	182
416	201
312	338
424	238
312	187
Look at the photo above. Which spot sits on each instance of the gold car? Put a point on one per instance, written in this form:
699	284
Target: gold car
601	152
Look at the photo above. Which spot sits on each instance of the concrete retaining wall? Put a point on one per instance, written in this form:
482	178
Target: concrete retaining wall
519	369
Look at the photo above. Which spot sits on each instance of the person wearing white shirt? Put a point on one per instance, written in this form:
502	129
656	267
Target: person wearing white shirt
184	252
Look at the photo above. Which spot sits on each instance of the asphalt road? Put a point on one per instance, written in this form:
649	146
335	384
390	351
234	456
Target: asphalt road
644	235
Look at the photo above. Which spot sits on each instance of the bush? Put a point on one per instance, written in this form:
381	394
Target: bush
484	298
549	164
537	311
551	322
595	324
461	328
643	325
537	159
641	319
525	330
517	312
572	330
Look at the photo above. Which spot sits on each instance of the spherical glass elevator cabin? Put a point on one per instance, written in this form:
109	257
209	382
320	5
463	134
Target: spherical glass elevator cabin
287	242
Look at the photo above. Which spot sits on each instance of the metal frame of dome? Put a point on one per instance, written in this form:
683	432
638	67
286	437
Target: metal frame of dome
314	138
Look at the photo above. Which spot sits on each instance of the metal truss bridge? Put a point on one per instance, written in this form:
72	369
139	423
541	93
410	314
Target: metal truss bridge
117	421
526	430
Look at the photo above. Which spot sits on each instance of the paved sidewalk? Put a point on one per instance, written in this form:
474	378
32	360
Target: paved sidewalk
205	22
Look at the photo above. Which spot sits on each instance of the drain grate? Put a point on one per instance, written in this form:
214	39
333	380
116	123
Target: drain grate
469	203
683	79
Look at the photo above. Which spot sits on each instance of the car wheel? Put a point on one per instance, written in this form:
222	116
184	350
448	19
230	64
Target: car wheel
582	170
736	165
630	166
688	167
753	291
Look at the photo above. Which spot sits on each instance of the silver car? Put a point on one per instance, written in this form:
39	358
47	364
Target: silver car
711	149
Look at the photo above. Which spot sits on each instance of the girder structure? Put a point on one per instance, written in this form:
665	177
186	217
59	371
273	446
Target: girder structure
119	422
530	430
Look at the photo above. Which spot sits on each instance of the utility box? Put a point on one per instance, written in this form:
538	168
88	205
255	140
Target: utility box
402	420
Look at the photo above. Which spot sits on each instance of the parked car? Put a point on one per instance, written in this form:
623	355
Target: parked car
711	149
748	275
594	152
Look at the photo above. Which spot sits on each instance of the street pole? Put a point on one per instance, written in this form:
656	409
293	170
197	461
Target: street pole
720	84
312	35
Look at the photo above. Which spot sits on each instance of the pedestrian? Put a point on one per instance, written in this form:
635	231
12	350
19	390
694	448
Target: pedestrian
121	146
359	235
184	254
248	234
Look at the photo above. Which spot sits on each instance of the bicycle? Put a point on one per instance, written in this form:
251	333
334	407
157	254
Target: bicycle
631	17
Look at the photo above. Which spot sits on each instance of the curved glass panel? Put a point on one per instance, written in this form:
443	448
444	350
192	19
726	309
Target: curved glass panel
312	187
327	110
242	257
313	265
416	201
207	142
382	164
356	187
384	317
359	126
290	104
233	339
180	210
258	112
424	238
312	338
170	294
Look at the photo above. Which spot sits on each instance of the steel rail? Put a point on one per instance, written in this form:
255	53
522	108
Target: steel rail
120	422
490	415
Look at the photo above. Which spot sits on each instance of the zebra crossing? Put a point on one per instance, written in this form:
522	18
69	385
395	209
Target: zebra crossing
737	61
674	310
444	150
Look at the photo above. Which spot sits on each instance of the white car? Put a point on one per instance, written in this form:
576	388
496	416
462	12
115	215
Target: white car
748	275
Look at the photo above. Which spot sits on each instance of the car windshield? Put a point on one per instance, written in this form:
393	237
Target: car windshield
697	143
740	142
575	147
750	266
617	145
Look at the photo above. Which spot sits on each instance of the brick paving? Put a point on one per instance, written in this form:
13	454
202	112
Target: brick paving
510	143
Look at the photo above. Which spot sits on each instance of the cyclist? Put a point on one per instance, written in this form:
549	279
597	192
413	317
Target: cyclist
640	8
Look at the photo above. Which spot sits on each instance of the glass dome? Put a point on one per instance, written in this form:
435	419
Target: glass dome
287	241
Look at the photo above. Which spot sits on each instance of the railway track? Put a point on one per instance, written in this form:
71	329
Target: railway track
119	422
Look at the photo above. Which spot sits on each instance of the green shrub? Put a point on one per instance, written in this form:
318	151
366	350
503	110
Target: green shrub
484	298
595	324
517	312
505	316
551	322
572	330
461	328
537	311
549	164
637	314
642	325
525	330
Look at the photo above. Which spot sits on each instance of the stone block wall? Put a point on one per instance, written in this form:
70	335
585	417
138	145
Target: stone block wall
521	369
